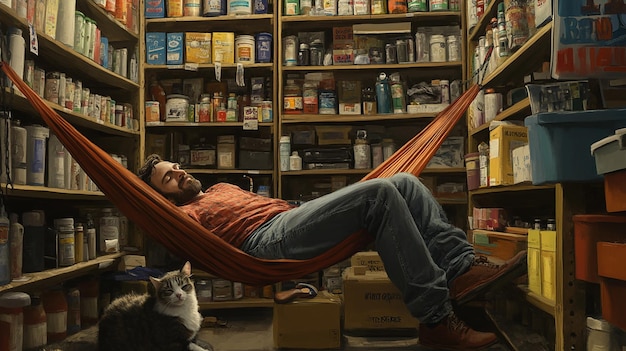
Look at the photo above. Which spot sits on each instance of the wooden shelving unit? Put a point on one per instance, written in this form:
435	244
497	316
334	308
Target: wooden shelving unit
563	200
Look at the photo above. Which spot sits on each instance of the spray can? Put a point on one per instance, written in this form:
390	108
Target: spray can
383	94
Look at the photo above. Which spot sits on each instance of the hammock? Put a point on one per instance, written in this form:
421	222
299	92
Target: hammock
170	226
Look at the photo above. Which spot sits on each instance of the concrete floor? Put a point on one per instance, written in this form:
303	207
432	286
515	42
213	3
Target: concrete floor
251	330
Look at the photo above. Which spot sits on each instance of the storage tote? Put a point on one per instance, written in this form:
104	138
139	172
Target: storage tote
610	152
560	143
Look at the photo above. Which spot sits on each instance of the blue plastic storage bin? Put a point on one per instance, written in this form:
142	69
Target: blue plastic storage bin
560	143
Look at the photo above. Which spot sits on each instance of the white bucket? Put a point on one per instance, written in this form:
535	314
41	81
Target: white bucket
244	49
36	154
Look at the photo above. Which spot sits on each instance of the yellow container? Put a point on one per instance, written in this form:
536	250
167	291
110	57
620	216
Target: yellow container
223	48
534	261
197	47
548	264
502	141
174	8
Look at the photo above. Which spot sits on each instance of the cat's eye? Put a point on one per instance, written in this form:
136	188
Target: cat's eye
168	292
187	287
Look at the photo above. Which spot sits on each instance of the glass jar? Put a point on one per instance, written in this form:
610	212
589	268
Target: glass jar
368	98
303	55
310	99
292	101
316	53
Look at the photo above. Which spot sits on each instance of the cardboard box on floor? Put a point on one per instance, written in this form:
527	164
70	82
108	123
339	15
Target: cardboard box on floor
369	259
308	323
372	302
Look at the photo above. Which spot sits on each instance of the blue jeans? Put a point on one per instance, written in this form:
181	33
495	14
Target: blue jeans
421	251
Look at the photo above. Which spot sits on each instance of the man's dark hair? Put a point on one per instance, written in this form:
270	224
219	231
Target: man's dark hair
148	167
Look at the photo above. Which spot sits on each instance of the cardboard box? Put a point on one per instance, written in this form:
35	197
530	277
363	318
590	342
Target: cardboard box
502	140
197	47
223	47
521	164
155	48
369	259
501	246
372	302
343	46
548	264
534	261
175	45
308	323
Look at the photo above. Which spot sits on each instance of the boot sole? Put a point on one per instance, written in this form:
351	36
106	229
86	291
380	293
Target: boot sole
519	268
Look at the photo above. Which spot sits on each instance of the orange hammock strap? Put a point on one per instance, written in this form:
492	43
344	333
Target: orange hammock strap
179	233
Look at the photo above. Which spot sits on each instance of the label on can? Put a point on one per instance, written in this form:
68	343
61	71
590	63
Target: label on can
267	114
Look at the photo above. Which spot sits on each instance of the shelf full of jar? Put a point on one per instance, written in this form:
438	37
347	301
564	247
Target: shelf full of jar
198	66
335	118
482	23
534	51
115	29
519	109
44	192
20	103
64	56
238	23
157	125
434	16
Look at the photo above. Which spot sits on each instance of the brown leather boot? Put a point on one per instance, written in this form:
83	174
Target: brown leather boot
453	334
483	275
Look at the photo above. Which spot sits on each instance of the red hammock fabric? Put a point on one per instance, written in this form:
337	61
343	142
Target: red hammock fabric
185	237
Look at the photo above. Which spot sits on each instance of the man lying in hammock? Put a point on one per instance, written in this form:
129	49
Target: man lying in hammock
428	259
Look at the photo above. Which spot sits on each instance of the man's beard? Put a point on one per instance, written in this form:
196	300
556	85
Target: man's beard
189	189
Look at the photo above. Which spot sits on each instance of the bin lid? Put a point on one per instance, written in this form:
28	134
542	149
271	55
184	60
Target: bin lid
589	116
599	218
619	136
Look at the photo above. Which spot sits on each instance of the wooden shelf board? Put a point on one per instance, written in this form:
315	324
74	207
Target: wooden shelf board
483	22
229	171
201	124
453	64
243	303
527	54
43	192
432	16
197	66
316	172
111	28
201	19
510	188
309	118
49	277
542	303
522	107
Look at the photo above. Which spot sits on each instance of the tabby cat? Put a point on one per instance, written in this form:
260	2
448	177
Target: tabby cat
166	321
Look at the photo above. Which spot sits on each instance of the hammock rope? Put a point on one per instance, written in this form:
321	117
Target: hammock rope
179	233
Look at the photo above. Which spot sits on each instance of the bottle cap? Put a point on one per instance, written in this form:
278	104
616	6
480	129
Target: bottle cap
294	153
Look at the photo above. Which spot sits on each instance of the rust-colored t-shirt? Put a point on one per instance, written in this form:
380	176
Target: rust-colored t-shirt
233	213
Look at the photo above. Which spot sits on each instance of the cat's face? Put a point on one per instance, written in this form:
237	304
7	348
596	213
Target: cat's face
174	288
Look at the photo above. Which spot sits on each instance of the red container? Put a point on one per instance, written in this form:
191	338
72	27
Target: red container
588	231
615	191
611	262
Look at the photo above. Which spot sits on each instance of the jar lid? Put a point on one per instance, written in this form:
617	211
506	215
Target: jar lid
285	139
304	46
64	222
14	300
178	96
490	91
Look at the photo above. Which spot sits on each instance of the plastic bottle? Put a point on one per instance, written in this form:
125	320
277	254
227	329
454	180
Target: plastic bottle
157	93
383	94
284	151
5	265
295	161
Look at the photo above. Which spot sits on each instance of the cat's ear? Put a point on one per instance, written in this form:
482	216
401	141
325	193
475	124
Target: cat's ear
186	270
156	283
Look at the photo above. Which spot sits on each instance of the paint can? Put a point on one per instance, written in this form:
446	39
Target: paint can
65	248
244	49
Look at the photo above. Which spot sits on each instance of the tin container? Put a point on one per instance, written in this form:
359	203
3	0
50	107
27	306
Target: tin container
192	7
263	47
176	108
267	114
